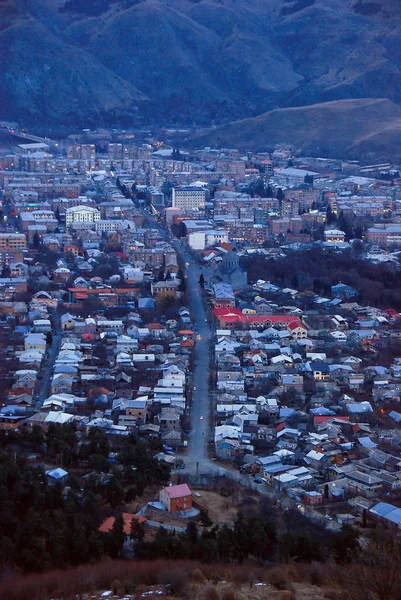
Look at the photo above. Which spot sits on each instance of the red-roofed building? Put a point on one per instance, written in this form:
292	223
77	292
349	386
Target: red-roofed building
226	246
176	498
297	330
391	312
234	318
320	420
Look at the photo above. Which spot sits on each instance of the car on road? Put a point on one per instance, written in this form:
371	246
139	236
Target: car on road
198	337
187	265
328	517
201	418
194	388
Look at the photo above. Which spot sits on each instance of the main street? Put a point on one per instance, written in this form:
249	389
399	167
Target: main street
46	373
196	457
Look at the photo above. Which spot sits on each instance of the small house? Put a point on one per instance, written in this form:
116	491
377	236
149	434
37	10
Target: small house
176	498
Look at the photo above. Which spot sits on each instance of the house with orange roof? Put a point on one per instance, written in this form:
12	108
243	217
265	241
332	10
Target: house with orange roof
107	525
226	246
187	343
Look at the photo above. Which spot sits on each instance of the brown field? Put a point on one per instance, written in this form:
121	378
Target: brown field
222	510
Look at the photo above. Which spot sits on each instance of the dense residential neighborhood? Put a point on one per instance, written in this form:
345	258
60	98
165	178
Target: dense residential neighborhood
172	320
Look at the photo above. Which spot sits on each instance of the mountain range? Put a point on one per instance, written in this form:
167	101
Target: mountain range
191	62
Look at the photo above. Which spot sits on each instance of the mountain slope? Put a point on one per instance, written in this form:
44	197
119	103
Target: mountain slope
189	61
362	128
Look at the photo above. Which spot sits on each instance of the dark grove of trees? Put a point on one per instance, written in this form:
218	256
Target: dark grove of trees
317	270
251	537
45	525
40	528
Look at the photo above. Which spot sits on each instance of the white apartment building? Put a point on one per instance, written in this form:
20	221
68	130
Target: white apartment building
199	240
292	177
81	214
189	198
110	225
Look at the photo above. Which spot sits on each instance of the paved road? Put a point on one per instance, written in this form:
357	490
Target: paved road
196	456
44	384
196	459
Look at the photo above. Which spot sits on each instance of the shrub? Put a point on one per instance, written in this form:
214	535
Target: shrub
177	579
117	587
241	574
288	595
208	593
316	578
197	575
228	595
278	577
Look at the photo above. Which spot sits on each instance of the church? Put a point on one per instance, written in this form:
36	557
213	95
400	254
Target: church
230	272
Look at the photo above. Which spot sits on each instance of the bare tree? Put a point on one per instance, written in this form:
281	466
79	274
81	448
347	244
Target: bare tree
377	575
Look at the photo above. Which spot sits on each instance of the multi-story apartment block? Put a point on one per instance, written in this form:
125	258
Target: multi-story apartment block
386	236
62	204
289	208
88	151
73	150
291	177
284	225
115	151
189	198
306	198
14	241
150	257
110	225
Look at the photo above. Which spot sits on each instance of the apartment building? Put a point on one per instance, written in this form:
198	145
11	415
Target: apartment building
14	241
386	236
88	151
189	198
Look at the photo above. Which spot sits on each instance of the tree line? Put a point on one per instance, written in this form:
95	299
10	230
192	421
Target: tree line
250	537
317	270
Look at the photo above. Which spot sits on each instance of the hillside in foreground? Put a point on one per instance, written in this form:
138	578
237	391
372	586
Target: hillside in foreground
375	577
181	580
